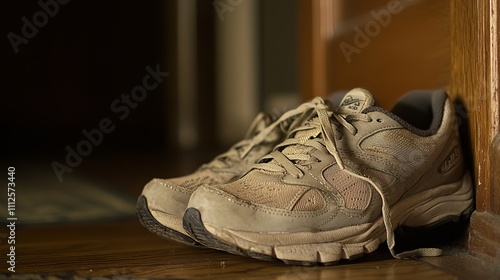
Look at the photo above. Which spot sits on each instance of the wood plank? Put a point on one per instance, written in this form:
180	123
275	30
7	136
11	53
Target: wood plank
484	240
393	48
495	175
126	249
474	83
316	23
471	84
495	116
460	261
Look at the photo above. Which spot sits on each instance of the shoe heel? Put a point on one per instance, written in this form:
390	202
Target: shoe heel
433	209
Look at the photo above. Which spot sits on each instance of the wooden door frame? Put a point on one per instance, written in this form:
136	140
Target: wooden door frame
475	83
316	22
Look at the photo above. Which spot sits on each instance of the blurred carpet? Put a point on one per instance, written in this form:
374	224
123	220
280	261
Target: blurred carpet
42	199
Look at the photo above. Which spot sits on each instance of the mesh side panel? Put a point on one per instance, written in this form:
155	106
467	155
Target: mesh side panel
403	146
356	192
206	176
265	189
312	200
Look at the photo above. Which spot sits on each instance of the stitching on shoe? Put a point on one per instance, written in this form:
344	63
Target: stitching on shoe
174	187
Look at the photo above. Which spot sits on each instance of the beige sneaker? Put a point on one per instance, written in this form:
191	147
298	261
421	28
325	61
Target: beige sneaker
162	203
341	183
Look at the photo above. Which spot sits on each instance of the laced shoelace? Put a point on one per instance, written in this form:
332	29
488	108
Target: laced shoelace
241	149
326	123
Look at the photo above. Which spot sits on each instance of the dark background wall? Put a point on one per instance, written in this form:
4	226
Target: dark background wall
83	57
65	78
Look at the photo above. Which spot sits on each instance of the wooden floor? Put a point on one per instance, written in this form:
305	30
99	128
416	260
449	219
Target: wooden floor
124	249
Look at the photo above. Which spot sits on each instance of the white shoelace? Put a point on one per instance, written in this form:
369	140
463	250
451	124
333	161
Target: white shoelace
326	122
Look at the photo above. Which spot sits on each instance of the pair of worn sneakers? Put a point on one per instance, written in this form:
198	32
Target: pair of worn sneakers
321	183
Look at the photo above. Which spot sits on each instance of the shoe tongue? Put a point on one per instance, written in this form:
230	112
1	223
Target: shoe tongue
356	100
